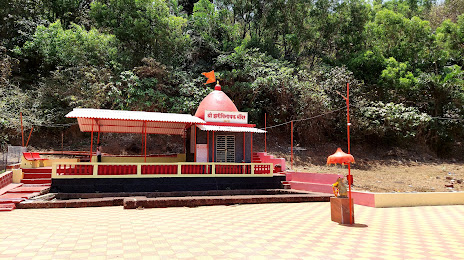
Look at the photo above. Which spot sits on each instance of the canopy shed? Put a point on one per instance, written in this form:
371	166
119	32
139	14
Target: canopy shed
138	122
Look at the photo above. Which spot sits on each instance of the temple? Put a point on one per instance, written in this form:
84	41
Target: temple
218	152
225	136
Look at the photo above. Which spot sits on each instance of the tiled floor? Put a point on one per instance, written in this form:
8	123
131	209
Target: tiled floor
260	231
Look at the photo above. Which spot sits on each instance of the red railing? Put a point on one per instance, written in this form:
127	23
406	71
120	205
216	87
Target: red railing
154	169
117	169
233	169
159	169
196	169
262	168
74	169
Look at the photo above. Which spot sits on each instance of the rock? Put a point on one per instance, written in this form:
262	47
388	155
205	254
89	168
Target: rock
448	178
449	186
459	181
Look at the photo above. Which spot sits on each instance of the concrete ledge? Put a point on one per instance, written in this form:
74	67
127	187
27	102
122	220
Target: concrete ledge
385	200
190	201
318	182
13	166
320	178
363	198
133	203
389	200
100	202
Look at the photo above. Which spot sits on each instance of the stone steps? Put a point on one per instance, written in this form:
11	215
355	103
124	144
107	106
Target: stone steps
184	201
37	181
39	175
7	206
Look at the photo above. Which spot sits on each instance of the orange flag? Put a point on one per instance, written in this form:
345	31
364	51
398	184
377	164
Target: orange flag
210	76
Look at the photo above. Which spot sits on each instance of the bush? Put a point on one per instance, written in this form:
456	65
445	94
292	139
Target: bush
389	121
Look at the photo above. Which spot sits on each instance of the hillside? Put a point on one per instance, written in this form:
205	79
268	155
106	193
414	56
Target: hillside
287	60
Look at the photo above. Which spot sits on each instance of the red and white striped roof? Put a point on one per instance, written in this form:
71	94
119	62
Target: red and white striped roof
231	129
121	121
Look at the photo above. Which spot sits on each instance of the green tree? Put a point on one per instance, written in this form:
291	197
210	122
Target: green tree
352	18
397	76
13	100
443	10
53	46
67	11
450	36
145	27
153	87
79	86
19	20
404	39
443	93
211	33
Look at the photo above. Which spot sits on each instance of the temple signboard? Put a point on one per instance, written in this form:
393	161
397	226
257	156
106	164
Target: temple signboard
226	117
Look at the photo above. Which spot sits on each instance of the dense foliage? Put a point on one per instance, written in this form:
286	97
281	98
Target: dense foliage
288	58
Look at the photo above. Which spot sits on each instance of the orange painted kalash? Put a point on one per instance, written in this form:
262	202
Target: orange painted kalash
215	101
217	140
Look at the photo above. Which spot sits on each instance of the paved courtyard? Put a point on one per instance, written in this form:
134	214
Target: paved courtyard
261	231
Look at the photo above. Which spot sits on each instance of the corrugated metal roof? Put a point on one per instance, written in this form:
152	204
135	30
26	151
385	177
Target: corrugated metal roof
230	129
133	115
119	121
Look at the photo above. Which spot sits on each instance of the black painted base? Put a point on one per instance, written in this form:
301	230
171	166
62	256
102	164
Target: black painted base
167	184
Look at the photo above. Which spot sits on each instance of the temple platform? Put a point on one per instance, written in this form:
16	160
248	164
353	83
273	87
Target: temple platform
164	184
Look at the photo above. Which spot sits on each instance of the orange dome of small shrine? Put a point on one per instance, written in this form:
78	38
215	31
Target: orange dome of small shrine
215	101
340	157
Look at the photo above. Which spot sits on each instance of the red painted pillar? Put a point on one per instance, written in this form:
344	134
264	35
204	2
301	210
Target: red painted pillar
185	141
22	129
141	148
145	141
195	152
251	136
291	146
265	136
29	136
91	143
207	146
62	139
348	124
244	151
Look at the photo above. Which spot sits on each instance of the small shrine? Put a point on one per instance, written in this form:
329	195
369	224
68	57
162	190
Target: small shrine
226	136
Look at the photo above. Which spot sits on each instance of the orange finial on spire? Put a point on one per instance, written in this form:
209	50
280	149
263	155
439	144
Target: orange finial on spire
210	76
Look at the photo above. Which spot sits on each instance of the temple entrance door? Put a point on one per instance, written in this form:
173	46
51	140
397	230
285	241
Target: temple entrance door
225	148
